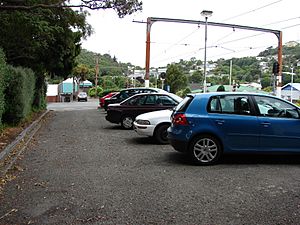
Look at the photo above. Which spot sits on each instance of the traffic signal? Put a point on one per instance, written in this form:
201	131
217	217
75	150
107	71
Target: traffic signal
163	75
275	68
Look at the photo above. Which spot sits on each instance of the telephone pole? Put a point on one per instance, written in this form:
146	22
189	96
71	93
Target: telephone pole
96	75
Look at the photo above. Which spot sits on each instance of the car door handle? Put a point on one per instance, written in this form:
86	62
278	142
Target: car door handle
265	124
220	122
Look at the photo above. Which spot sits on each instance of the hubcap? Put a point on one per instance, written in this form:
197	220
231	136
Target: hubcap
165	135
205	150
127	122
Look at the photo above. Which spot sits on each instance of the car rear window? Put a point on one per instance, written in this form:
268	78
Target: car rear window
182	106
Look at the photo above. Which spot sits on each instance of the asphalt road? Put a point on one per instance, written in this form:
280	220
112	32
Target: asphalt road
80	169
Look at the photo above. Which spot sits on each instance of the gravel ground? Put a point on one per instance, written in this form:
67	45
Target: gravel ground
80	169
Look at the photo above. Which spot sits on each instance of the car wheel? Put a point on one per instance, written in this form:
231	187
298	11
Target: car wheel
127	122
205	150
160	134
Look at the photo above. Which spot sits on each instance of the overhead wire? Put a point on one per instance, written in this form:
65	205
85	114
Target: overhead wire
239	39
190	53
177	42
253	10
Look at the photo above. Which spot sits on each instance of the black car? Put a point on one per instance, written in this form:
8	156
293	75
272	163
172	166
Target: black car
126	93
125	112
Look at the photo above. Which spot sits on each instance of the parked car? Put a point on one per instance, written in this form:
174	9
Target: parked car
126	93
82	96
102	99
207	125
125	112
154	124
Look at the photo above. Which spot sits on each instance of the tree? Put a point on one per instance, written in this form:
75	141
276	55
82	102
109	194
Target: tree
196	77
175	78
122	7
81	71
45	40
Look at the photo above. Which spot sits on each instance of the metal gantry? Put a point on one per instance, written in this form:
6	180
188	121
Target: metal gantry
151	20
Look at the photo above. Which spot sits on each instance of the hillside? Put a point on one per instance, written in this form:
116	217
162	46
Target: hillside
245	69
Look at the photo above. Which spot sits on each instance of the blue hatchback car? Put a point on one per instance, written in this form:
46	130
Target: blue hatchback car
207	125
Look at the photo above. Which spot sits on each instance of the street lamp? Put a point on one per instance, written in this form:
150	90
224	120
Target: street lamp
292	80
206	14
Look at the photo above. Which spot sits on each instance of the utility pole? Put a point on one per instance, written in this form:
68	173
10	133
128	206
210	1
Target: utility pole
230	72
96	75
292	80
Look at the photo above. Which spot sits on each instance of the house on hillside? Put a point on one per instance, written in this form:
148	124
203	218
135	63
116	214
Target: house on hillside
291	90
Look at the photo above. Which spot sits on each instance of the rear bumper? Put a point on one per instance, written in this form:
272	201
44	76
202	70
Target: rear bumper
178	145
112	119
177	139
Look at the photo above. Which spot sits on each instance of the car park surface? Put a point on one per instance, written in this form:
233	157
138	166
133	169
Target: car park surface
113	176
207	125
125	112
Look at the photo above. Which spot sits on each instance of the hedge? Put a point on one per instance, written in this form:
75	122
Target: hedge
19	94
2	72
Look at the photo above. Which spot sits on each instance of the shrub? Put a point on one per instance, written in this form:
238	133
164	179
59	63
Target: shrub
92	91
182	93
19	94
2	72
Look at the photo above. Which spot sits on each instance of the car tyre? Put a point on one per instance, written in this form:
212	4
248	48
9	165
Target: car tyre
160	134
205	150
127	122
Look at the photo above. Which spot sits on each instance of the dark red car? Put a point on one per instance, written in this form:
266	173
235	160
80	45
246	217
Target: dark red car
125	112
102	99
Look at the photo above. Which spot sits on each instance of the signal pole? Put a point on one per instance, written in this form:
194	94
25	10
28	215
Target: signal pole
96	75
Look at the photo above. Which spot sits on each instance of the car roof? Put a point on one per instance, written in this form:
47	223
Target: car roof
144	88
176	97
209	94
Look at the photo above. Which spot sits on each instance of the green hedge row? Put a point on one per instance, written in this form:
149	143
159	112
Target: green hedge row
2	73
19	94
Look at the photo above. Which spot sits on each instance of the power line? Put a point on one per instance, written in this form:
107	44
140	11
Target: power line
281	21
177	42
190	53
253	10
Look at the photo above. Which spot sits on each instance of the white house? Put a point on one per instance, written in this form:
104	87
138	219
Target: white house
52	93
289	90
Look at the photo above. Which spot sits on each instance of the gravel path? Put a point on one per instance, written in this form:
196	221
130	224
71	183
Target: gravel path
80	169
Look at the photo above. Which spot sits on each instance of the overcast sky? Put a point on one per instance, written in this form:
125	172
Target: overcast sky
171	42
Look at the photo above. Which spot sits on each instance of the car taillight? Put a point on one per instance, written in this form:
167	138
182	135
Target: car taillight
179	119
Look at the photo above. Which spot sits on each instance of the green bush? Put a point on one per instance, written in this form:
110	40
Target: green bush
39	102
182	93
92	91
2	83
19	94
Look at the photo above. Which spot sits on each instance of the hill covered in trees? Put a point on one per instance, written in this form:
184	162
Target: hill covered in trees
245	69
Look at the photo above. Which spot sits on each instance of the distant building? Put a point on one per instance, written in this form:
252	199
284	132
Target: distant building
52	93
291	90
66	89
257	86
291	44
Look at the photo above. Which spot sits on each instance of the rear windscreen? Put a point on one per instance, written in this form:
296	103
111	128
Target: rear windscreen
182	106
